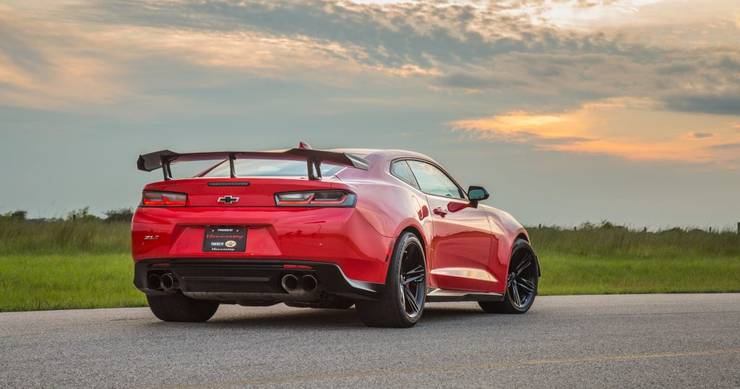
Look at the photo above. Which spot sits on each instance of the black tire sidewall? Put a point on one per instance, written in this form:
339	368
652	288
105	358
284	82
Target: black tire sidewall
179	308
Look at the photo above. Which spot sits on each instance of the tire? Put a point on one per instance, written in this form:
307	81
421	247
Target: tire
179	308
402	302
521	282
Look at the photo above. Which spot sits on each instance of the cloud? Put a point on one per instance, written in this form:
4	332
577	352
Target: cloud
475	82
635	129
726	146
392	35
420	33
82	79
52	66
99	52
726	104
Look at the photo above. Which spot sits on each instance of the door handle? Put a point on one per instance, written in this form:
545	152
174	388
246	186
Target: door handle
439	211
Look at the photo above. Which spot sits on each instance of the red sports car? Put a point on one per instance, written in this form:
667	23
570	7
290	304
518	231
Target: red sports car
384	230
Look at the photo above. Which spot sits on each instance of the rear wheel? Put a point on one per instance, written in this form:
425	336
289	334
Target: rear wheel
402	302
521	283
177	307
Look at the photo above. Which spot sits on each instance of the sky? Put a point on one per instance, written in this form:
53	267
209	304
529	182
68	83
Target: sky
567	111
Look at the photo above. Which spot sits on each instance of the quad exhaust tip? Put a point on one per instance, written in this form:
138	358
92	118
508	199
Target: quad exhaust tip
294	285
309	283
153	281
289	283
168	282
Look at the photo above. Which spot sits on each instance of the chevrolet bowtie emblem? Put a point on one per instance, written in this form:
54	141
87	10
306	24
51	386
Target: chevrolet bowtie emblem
228	199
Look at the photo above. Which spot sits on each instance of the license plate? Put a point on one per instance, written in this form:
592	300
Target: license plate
225	239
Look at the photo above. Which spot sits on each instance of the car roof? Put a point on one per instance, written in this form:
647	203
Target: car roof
384	154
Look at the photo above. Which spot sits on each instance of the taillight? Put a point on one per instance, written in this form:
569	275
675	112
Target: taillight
163	199
316	198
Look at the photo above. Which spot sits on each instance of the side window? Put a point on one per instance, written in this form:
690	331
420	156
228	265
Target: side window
401	170
433	181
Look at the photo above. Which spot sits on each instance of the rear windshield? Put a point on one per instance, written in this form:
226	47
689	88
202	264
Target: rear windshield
269	168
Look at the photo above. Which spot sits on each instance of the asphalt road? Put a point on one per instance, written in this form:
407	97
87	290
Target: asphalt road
585	341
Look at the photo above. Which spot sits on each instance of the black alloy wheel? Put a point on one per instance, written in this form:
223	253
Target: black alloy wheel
402	301
521	282
412	282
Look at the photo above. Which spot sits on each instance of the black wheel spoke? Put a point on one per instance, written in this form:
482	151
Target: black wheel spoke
523	294
515	293
415	279
524	265
410	299
412	280
419	270
526	285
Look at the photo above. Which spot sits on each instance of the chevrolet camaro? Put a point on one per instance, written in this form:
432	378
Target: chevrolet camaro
386	231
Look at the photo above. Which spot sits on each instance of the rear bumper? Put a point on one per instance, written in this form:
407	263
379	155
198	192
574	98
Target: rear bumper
252	281
342	236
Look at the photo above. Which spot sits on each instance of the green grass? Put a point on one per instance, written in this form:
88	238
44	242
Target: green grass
39	282
63	236
63	281
577	274
608	241
63	264
612	259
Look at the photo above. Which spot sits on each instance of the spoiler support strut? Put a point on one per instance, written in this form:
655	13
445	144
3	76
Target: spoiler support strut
314	168
232	170
166	168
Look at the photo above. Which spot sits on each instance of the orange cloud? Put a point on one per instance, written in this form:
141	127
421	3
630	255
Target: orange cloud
41	69
80	65
636	129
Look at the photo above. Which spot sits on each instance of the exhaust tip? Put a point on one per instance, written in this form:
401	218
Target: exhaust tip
289	283
153	281
168	281
309	283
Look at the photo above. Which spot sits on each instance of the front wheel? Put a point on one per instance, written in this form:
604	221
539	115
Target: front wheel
521	282
177	307
402	302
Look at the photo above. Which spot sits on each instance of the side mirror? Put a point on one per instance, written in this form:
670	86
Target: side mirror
477	193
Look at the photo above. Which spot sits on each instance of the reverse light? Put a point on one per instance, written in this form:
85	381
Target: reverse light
316	198
163	199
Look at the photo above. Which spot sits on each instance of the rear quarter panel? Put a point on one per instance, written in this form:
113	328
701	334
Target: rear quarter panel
389	204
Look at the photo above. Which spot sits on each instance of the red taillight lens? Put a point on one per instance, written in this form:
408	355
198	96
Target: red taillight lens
318	198
163	199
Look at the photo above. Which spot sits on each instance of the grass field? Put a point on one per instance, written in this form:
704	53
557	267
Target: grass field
62	281
86	263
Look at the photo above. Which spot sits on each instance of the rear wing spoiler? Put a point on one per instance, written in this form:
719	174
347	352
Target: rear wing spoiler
163	159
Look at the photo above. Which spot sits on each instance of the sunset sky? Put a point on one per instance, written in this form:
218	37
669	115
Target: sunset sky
567	111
